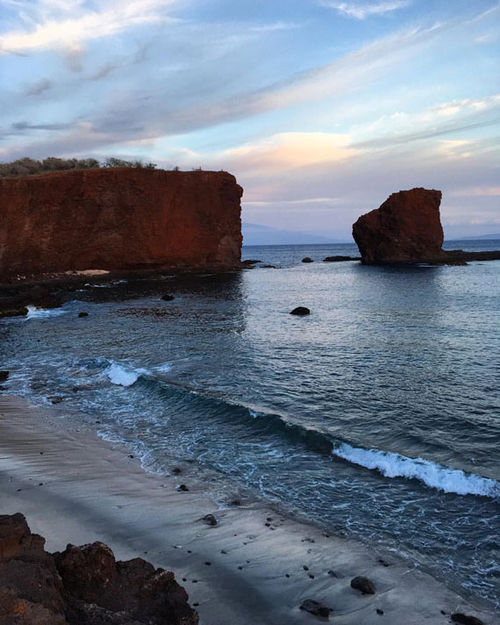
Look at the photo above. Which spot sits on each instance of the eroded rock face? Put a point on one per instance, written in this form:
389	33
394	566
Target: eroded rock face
405	229
82	585
119	219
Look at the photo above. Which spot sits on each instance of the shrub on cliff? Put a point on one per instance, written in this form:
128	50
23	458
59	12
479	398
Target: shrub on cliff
28	166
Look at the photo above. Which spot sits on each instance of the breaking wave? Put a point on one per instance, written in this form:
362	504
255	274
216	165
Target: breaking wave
430	473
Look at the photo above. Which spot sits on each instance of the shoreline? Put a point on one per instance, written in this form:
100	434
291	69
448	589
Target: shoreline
77	488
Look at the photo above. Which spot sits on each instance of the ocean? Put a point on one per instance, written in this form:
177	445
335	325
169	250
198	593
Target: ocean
376	416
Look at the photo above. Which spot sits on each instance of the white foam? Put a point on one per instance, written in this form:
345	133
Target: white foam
432	474
43	313
123	376
164	368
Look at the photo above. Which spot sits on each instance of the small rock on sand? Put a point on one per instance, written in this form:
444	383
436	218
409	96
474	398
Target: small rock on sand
365	585
209	519
465	619
315	607
182	487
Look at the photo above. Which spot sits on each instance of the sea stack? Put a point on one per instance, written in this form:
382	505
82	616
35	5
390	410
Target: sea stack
119	219
405	229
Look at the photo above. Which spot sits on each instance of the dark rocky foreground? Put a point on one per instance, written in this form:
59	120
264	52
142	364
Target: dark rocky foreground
82	585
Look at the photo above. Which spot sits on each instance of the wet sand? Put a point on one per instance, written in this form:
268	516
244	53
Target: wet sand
254	567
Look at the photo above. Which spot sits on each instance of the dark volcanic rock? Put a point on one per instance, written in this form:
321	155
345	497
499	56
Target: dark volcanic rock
4	376
307	260
300	310
405	229
339	259
464	619
82	585
9	309
315	607
365	585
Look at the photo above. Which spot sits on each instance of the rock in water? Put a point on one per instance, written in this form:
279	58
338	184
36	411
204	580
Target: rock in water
464	619
307	259
315	607
300	310
82	585
4	376
119	219
405	229
365	585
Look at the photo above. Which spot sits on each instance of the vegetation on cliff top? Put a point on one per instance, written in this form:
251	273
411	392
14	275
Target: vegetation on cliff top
29	166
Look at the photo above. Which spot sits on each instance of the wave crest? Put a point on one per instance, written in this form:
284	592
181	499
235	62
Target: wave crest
430	473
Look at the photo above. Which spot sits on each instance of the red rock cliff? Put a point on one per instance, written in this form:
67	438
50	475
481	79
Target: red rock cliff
405	229
119	219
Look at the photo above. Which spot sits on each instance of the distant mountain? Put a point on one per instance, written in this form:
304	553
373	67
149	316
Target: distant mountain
482	237
256	234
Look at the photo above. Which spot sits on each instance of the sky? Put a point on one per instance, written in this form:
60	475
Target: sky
320	108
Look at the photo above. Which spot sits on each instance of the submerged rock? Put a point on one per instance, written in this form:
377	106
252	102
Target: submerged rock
365	585
300	310
82	585
405	229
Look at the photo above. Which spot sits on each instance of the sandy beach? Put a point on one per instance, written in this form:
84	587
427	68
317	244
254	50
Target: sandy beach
254	566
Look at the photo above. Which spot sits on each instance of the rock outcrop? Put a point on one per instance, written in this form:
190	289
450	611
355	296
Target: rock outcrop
119	219
82	585
405	229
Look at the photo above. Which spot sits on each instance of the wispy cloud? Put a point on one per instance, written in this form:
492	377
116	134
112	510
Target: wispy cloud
51	24
39	87
362	10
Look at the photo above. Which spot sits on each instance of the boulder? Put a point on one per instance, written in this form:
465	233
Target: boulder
300	310
83	314
365	585
250	261
465	619
315	607
4	376
209	519
405	229
82	585
307	260
167	297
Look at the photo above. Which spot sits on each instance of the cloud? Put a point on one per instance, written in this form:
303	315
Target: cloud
453	117
46	32
362	10
39	87
290	150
